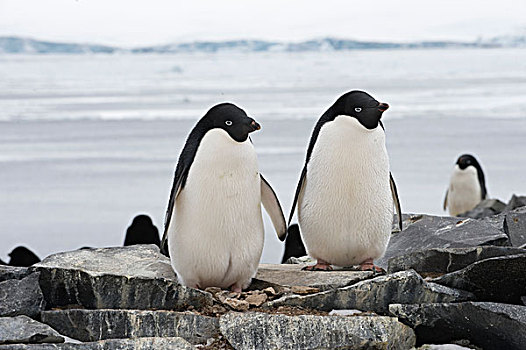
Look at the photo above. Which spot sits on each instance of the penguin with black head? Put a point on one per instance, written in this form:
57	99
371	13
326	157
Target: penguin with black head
214	227
467	186
346	192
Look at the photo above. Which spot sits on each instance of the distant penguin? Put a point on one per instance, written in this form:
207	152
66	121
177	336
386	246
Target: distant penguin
346	192
467	186
21	256
142	231
294	247
214	224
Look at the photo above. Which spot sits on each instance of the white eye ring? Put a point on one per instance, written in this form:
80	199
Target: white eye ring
228	122
358	109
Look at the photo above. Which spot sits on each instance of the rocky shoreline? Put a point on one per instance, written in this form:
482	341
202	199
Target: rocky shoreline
456	281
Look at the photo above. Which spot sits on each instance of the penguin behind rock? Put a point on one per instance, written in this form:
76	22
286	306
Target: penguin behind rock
346	192
142	231
467	186
294	246
21	256
213	227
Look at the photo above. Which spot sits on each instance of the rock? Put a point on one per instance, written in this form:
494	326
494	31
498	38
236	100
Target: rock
93	325
425	232
264	331
292	275
443	347
134	277
442	261
515	202
13	272
236	304
256	299
301	260
487	207
406	287
515	226
113	344
487	325
350	312
21	297
304	290
501	279
22	329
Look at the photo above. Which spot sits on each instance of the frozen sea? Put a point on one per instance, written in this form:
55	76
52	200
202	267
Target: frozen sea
89	141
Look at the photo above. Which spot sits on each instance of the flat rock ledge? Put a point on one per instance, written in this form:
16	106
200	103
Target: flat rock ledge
376	294
498	279
94	325
291	275
21	297
263	331
486	325
445	260
22	329
135	277
112	344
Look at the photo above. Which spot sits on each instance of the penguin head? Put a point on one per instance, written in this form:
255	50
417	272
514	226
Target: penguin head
466	160
362	106
232	119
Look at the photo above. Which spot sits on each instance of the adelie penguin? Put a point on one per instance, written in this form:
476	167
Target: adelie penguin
214	225
467	186
346	192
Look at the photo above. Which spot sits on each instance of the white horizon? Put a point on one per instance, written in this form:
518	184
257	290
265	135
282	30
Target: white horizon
132	23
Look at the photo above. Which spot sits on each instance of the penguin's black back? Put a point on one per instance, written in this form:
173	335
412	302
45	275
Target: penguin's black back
21	256
142	231
294	246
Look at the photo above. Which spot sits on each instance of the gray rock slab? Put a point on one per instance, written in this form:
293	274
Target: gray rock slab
133	277
22	329
447	260
487	325
500	279
488	207
13	272
113	344
264	331
515	202
425	232
292	275
94	325
21	297
406	287
515	226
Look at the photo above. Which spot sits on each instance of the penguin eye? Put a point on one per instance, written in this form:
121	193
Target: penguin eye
358	109
228	122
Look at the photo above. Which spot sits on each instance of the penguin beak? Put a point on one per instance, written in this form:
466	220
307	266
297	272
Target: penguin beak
255	126
383	107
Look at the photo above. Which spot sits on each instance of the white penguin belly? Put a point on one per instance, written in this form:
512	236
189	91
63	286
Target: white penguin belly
464	190
217	236
345	210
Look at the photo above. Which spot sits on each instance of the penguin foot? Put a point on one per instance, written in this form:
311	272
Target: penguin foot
321	265
368	265
235	288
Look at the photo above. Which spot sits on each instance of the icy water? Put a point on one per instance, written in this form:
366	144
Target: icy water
89	141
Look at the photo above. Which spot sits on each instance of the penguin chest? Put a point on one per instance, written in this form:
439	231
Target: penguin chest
217	236
346	209
464	191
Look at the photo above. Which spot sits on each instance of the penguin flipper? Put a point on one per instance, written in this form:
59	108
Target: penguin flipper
271	203
396	200
176	189
445	199
298	191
